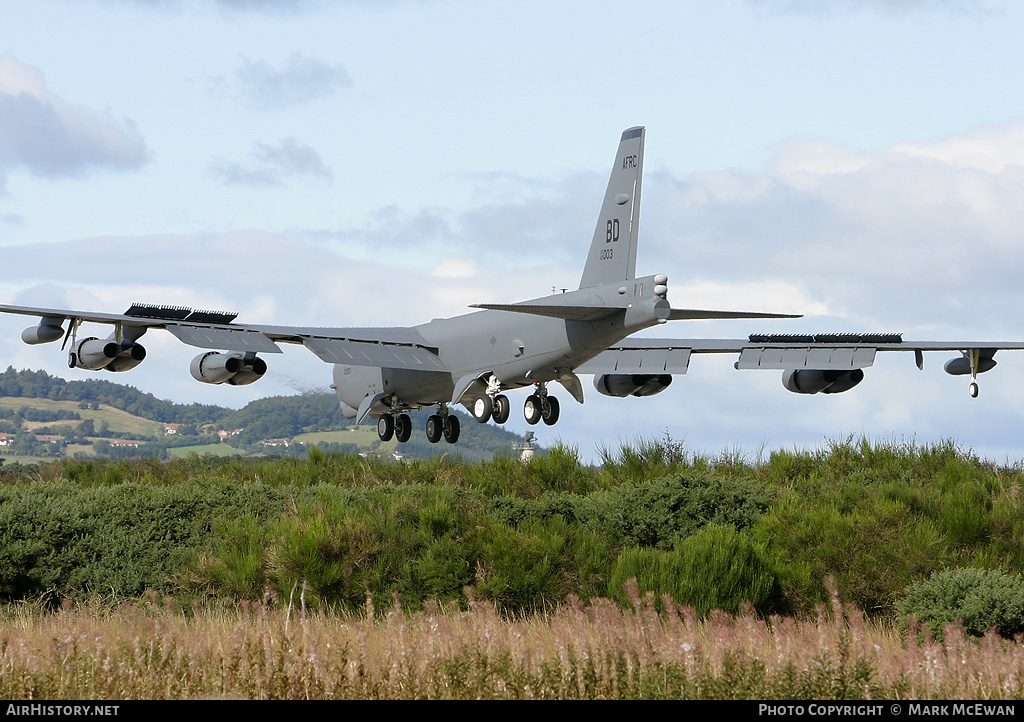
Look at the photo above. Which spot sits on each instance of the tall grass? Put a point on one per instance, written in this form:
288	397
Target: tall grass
597	650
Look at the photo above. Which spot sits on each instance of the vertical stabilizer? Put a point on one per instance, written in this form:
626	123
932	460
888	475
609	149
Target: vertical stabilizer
613	251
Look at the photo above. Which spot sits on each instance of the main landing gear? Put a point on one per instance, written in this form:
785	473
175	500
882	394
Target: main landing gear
486	408
399	427
539	407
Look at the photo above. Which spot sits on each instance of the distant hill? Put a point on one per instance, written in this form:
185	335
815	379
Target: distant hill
43	416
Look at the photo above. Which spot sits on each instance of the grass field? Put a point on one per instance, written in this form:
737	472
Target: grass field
363	436
118	421
215	449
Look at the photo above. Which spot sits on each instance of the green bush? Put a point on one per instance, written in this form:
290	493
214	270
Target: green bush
662	512
979	599
716	568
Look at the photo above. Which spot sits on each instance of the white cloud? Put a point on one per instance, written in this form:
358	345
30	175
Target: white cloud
915	234
302	80
273	165
50	137
455	268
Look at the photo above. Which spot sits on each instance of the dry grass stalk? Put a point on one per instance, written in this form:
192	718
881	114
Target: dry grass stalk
593	651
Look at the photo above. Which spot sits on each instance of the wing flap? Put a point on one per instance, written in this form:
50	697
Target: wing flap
822	358
624	360
228	339
364	353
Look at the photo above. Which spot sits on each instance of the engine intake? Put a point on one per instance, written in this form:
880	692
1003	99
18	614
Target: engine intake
231	368
622	385
813	381
93	353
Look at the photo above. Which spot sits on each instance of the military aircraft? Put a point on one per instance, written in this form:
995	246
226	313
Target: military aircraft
473	359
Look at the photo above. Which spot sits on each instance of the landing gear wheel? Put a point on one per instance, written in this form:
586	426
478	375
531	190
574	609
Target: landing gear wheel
403	428
483	407
974	389
435	427
502	409
549	410
533	409
386	427
451	428
72	360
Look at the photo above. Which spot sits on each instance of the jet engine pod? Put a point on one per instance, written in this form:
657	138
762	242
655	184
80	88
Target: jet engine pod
93	354
128	358
813	381
215	368
622	385
233	368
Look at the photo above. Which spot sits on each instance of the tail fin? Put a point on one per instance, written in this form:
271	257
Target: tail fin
613	251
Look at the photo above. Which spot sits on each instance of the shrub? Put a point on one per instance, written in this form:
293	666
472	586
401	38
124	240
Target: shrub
979	599
662	512
716	568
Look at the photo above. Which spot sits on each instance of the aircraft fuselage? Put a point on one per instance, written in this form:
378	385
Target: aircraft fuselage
516	348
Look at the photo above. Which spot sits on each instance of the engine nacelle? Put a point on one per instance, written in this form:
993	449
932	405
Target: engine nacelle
127	359
93	353
232	368
813	381
43	333
962	366
622	385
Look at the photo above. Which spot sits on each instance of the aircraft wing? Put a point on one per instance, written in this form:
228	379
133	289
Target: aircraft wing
824	352
391	347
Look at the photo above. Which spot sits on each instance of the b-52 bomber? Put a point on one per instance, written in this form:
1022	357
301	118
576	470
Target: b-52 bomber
472	360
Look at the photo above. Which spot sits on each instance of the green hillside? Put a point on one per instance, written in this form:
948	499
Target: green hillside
45	417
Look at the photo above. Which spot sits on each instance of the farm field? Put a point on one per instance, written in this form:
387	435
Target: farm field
181	452
118	420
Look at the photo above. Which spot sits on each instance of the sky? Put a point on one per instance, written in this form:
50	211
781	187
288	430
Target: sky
382	163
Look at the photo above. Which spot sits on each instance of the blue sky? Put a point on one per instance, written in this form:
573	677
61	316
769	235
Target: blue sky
382	163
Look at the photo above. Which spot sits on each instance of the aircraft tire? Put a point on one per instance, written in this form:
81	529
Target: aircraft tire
403	428
452	427
549	410
502	409
435	427
483	407
532	409
386	427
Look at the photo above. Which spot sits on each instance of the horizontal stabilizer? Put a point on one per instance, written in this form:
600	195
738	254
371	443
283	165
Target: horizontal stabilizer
595	313
690	314
569	313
